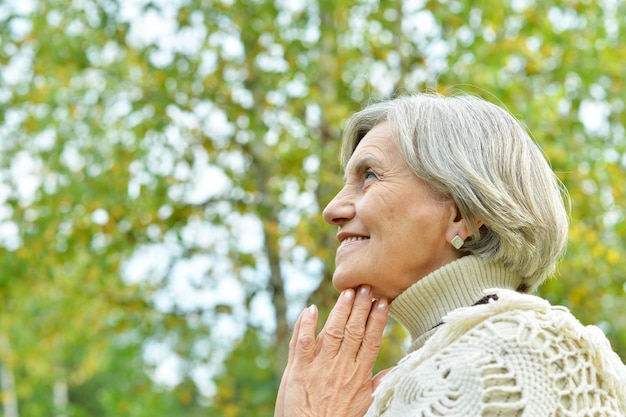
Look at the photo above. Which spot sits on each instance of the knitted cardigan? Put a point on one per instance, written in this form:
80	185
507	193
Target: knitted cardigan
512	355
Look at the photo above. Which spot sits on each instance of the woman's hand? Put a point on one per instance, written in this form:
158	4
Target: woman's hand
331	375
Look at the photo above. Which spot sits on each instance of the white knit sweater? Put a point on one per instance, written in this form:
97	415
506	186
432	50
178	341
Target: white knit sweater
514	356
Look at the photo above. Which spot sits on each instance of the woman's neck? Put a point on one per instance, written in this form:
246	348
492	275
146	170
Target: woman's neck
461	283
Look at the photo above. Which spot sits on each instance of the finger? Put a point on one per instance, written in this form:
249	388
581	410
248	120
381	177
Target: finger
374	329
304	348
342	308
355	327
333	331
280	398
279	406
294	338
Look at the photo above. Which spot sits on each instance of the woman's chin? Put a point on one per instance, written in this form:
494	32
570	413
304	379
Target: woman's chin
339	287
341	282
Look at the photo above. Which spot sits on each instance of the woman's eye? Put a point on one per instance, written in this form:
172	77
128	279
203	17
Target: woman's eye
370	175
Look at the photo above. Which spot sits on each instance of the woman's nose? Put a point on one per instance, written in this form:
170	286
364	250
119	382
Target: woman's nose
340	209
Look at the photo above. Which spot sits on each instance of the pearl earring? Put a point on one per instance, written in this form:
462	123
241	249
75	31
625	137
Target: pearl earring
457	242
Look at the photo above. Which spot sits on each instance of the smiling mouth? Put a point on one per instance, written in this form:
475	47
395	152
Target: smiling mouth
353	239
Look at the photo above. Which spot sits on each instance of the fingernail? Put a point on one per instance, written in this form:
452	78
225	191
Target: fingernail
312	309
364	290
348	294
382	304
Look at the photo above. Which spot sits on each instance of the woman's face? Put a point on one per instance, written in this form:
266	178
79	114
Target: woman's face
393	228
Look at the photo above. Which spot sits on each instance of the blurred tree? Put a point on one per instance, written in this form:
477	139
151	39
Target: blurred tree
79	124
164	165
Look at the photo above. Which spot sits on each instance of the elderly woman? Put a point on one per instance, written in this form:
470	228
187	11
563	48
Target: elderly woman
448	218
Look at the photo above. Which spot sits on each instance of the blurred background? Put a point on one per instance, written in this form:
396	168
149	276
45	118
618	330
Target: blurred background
163	166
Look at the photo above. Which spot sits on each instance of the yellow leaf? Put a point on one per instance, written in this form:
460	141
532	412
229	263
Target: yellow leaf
612	256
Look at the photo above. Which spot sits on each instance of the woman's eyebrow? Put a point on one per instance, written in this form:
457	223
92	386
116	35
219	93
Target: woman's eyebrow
366	161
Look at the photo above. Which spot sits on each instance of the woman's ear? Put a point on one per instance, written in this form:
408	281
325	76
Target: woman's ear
458	225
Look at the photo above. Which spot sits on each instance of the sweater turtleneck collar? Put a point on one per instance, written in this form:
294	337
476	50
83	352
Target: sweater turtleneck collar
460	283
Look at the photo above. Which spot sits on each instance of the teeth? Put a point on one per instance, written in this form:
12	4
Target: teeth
353	239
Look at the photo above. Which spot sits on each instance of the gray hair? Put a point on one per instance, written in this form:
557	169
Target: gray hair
482	157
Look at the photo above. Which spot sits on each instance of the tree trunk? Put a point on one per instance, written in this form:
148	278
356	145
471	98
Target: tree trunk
281	342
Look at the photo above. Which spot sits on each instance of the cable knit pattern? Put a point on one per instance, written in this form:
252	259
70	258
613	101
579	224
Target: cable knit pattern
517	356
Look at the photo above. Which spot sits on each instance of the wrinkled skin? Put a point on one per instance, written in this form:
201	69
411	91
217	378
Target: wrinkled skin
331	374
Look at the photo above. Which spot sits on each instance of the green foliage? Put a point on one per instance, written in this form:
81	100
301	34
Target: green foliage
248	384
110	111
